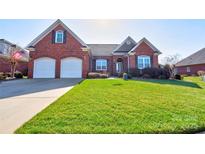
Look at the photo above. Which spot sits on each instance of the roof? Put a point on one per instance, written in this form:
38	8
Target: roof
148	43
196	58
102	49
125	46
6	41
50	28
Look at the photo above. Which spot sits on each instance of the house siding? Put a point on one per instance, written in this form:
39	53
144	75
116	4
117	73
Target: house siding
193	69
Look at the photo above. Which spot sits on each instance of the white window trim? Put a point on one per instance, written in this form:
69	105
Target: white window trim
59	32
188	70
143	57
101	61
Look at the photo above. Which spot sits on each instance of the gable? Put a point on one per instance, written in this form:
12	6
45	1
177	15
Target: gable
145	46
145	49
125	46
50	29
48	41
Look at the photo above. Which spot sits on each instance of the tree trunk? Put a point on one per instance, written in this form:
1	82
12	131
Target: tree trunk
13	68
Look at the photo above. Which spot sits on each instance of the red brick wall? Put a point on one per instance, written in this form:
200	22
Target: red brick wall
5	66
72	48
144	49
193	69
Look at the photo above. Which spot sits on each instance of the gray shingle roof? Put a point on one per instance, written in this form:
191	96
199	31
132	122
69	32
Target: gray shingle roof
125	46
196	58
102	49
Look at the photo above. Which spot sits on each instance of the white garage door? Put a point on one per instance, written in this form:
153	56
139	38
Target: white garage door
71	68
44	68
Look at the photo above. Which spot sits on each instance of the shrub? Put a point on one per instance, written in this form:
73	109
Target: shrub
120	75
201	73
2	76
178	77
152	72
93	75
25	72
155	73
129	76
146	76
18	75
184	75
7	74
135	72
162	77
103	75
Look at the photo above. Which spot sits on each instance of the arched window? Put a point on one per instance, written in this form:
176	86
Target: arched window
101	64
59	36
143	62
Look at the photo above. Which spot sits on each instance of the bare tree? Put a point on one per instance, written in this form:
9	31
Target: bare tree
172	59
170	62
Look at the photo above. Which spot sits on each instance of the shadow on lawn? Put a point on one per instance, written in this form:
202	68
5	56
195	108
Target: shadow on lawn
173	82
117	84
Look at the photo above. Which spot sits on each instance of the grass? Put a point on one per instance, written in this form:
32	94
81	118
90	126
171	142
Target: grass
118	106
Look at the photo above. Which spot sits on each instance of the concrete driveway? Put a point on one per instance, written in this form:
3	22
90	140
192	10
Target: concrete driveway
20	100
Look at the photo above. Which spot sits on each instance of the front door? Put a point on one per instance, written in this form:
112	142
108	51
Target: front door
119	67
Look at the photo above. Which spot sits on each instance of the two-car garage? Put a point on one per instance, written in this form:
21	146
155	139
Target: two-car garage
70	67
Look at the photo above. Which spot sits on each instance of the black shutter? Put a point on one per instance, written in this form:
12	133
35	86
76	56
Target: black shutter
151	61
94	65
108	63
64	36
53	37
136	62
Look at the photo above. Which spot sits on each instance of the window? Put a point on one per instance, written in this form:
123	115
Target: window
188	69
101	64
119	67
1	48
143	62
59	37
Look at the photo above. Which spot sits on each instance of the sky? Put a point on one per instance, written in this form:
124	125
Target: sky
182	37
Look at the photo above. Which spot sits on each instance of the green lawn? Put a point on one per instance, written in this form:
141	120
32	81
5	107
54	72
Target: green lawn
118	106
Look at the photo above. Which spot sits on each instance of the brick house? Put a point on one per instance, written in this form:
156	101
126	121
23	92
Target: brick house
22	64
59	53
192	64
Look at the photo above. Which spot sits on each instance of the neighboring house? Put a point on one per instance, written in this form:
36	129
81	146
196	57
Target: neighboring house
192	64
22	64
59	53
